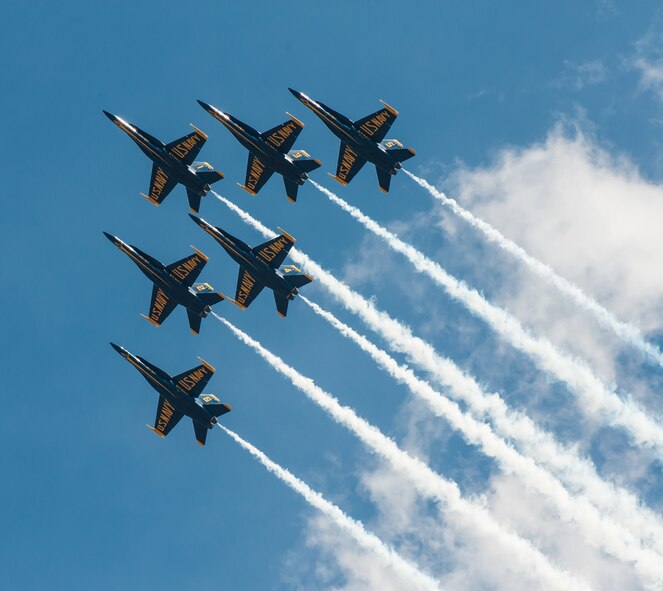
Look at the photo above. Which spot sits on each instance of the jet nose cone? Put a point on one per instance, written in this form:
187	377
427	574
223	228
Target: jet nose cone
205	106
117	348
112	238
112	117
296	93
196	219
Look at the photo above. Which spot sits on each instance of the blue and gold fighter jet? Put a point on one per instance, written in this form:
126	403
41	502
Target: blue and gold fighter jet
269	152
173	285
259	267
362	141
180	396
173	163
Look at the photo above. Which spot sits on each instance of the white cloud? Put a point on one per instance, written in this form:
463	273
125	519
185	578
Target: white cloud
588	214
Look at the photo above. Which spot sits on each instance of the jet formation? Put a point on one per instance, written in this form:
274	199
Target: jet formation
261	266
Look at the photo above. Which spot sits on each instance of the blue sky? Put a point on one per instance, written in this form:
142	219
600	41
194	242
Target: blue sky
89	496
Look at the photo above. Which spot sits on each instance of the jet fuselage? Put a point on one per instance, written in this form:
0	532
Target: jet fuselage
344	130
156	272
241	253
264	151
165	386
156	151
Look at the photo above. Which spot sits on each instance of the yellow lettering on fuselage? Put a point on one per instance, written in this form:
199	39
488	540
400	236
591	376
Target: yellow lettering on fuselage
182	271
278	137
375	123
255	172
347	161
245	287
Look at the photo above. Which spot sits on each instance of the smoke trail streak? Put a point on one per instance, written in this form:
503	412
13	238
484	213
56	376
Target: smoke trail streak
596	530
368	541
427	483
598	401
625	331
578	473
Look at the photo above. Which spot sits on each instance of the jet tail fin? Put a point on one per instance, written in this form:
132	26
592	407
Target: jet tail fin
396	150
211	298
384	179
206	173
216	408
298	280
302	160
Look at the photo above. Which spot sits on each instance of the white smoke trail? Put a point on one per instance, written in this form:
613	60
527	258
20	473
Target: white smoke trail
599	532
466	515
578	474
627	332
598	401
368	541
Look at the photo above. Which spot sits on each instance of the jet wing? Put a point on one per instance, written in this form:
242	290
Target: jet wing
376	125
167	417
193	382
187	270
248	288
187	148
160	185
274	251
160	307
349	164
257	174
283	137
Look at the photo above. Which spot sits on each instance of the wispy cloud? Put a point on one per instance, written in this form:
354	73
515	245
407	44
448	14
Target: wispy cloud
598	401
624	330
562	461
462	513
598	531
388	556
578	75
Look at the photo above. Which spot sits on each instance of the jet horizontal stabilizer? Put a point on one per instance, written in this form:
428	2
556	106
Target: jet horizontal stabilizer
281	304
384	179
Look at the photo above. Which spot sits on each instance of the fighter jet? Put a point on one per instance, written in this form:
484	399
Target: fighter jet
173	285
362	141
179	396
259	267
270	152
173	163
